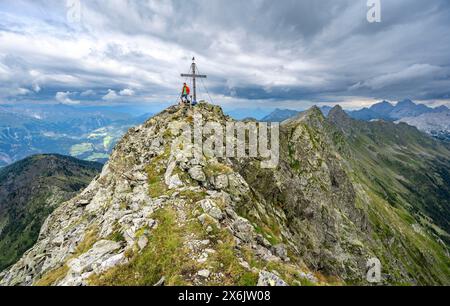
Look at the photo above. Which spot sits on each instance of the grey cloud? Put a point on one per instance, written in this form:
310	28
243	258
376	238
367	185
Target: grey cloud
255	50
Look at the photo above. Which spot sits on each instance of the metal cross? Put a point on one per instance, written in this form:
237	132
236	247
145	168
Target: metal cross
194	76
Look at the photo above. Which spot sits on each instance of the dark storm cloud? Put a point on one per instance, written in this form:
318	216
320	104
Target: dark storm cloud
253	50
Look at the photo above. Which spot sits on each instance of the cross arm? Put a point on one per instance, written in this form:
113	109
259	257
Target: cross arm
194	76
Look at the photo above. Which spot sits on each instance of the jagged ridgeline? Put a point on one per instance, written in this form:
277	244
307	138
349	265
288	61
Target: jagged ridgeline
340	195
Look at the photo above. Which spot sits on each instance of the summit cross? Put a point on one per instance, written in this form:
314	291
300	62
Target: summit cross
193	73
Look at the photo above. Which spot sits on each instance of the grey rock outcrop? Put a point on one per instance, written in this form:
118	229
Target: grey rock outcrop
268	279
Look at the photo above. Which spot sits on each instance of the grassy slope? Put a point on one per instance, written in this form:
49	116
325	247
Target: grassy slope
405	175
29	191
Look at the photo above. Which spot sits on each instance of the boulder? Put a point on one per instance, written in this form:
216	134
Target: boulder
243	229
263	241
204	218
204	273
139	176
112	262
268	279
83	203
142	242
210	208
280	251
221	182
94	258
174	182
308	276
197	174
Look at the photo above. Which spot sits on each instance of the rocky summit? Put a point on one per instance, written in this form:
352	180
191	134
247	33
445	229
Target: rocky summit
157	216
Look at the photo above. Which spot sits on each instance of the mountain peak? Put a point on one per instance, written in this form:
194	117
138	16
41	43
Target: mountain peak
181	112
280	115
313	115
314	111
441	108
338	115
383	107
406	102
385	104
337	110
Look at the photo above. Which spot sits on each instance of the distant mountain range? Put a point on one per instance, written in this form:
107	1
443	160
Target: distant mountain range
90	133
244	113
86	133
434	121
435	124
279	115
387	111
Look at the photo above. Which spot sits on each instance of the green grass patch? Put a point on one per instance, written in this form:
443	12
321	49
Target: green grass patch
97	156
90	238
52	277
225	261
215	169
164	256
107	141
156	182
117	237
156	171
193	196
80	149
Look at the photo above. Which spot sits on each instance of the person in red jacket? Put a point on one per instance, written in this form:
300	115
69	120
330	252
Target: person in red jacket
185	93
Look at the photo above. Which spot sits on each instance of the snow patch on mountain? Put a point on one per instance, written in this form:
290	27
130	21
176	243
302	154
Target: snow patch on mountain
436	124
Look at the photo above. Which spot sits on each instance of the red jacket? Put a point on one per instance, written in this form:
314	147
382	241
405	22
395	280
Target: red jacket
186	90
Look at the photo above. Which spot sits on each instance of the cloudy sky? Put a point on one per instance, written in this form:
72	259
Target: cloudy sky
257	53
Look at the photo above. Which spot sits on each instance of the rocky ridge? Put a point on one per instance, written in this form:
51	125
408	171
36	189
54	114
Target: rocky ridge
157	216
112	221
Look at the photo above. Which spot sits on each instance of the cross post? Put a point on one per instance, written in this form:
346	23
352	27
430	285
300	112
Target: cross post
194	77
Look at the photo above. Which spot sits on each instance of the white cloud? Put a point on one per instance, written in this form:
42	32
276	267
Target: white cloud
64	97
88	93
22	91
127	92
111	95
114	95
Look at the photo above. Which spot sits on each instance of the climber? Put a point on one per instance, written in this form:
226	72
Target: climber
185	94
